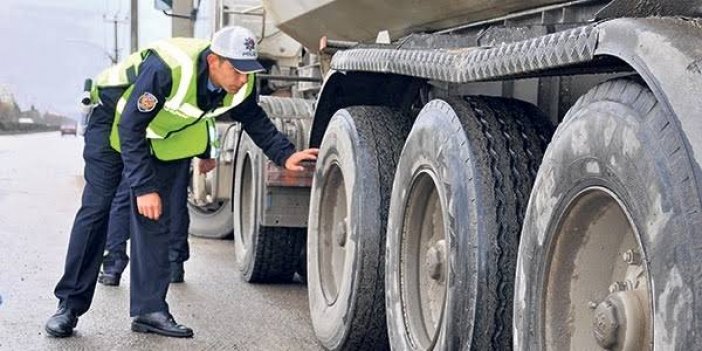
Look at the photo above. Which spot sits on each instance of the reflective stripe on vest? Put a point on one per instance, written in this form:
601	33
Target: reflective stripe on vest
180	129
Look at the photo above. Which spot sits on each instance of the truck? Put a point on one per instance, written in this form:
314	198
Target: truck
492	175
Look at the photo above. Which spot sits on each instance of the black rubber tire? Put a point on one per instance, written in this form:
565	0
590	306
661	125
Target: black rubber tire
273	258
263	254
483	154
364	143
214	225
618	137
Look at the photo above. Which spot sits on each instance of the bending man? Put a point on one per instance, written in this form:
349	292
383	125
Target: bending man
157	109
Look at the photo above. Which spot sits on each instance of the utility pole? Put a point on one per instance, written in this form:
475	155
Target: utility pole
134	28
115	21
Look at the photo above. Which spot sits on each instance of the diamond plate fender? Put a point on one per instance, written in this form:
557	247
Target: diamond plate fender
474	64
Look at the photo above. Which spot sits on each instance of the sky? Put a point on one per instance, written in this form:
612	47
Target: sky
49	47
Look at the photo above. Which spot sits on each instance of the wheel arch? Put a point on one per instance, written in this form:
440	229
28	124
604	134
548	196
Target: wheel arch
676	80
342	89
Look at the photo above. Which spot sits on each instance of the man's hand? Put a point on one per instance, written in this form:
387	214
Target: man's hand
149	205
293	162
205	165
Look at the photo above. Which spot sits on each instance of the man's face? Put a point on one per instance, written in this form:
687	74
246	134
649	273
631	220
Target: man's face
225	76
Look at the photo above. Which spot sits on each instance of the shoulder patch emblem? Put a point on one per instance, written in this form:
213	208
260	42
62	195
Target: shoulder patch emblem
147	102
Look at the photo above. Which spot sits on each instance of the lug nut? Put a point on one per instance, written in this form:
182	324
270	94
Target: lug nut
617	286
632	257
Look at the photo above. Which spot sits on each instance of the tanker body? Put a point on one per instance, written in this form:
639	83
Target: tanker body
308	20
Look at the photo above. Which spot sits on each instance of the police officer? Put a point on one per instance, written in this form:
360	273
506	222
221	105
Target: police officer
116	260
156	108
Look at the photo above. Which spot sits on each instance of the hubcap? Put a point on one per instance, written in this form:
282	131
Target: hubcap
333	234
606	324
617	321
341	232
597	294
436	258
423	258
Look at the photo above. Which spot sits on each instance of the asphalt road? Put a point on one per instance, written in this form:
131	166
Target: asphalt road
40	186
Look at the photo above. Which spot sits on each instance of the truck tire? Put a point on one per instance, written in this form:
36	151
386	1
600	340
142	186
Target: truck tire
263	254
292	116
346	234
211	224
610	245
212	221
458	200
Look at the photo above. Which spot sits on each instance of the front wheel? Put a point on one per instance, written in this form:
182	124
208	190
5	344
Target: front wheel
609	254
264	254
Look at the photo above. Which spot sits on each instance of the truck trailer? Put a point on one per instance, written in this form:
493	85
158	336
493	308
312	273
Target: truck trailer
492	175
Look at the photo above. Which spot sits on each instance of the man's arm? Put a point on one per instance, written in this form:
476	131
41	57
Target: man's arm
153	82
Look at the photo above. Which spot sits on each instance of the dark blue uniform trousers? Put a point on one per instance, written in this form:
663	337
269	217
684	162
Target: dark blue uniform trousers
150	273
118	225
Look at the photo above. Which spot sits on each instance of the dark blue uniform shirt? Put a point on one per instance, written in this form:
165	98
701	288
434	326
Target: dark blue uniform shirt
155	78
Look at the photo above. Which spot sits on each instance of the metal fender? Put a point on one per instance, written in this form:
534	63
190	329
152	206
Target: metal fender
667	54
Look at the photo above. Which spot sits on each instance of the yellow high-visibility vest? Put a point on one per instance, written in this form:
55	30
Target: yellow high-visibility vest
180	129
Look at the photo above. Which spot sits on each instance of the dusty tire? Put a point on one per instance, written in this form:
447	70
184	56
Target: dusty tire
263	254
347	224
214	224
292	116
459	195
617	177
213	221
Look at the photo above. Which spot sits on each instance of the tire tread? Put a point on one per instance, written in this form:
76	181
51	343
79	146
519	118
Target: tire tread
384	131
511	137
276	256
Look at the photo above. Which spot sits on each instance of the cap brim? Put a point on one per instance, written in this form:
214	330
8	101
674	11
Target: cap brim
247	66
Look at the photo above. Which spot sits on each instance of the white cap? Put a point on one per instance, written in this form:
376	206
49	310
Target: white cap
238	45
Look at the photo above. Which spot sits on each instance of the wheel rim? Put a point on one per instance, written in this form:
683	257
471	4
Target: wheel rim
333	231
423	262
247	209
597	292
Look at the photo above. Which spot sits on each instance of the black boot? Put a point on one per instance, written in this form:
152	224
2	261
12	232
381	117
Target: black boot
61	324
109	279
177	272
161	323
113	264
